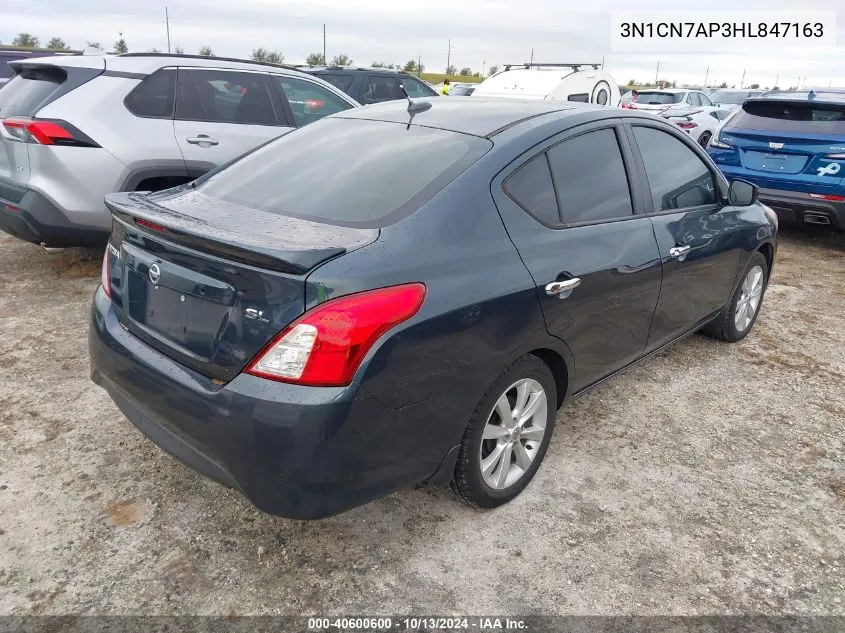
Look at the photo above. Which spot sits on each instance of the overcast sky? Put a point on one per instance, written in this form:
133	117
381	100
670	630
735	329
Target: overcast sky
482	31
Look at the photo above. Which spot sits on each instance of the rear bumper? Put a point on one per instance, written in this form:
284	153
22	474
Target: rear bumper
29	216
793	206
298	452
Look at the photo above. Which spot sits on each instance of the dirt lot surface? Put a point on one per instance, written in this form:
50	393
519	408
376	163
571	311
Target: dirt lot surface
708	479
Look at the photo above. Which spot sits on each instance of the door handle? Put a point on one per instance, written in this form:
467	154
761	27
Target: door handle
679	252
562	289
202	139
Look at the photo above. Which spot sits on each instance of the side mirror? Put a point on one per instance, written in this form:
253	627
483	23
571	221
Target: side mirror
742	193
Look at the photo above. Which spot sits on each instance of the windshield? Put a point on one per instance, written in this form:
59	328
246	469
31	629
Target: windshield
347	172
658	98
791	116
729	97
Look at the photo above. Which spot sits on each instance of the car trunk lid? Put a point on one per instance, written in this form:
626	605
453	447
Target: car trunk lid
210	283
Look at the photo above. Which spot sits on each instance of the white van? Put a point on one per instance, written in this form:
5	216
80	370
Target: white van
552	82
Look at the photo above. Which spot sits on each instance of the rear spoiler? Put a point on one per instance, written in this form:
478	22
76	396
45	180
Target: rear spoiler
270	248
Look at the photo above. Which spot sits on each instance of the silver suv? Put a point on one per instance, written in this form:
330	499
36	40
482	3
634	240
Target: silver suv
73	129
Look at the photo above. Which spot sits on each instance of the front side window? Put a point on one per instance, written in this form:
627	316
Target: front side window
415	88
590	178
677	177
310	101
154	96
382	88
225	97
530	186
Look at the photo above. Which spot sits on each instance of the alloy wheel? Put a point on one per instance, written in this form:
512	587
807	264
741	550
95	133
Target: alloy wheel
514	433
749	298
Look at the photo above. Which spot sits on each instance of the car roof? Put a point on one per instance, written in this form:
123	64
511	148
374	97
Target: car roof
475	115
668	90
813	95
148	63
335	69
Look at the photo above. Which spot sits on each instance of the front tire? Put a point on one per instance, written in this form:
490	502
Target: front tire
739	316
508	434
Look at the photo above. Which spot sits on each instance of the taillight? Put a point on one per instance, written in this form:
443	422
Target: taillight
687	125
716	141
326	345
827	196
46	132
105	274
158	228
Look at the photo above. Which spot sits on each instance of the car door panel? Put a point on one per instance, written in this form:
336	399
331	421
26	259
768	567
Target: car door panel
699	238
221	115
606	317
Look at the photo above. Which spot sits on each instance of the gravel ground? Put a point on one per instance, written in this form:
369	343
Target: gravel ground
708	479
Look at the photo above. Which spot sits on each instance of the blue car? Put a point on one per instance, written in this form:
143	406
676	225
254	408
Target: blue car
792	146
408	292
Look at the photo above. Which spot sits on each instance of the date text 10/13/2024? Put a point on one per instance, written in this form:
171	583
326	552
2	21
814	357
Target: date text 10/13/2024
491	623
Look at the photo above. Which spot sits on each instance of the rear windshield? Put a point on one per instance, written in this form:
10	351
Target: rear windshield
348	172
658	98
790	116
24	94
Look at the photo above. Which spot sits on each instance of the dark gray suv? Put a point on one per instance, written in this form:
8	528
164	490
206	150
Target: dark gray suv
372	85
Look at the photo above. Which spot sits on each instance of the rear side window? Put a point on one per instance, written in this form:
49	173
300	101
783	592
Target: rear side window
678	178
341	82
790	116
26	93
6	71
154	96
382	88
590	178
531	187
222	96
309	100
347	172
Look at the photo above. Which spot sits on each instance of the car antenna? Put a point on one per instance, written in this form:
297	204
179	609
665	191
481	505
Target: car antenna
414	107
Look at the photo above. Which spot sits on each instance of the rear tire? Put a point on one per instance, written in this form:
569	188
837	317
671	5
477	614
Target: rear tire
704	139
737	319
508	434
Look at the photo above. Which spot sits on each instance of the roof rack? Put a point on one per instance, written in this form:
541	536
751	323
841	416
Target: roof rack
573	66
213	57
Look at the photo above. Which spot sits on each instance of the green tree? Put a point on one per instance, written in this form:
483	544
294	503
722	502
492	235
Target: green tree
25	40
410	66
206	51
266	55
493	70
155	50
465	72
94	45
120	46
381	65
57	44
476	74
451	70
179	50
632	82
341	60
724	84
754	86
315	59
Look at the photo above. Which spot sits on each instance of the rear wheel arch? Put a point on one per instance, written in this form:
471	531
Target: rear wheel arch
559	368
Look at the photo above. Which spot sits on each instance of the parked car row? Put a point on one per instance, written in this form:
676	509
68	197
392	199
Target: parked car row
294	296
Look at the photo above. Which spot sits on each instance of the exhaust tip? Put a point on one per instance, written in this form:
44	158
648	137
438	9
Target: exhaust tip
816	218
51	249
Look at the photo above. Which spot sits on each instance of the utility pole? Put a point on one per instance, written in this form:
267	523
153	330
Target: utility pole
706	74
602	62
776	80
532	56
419	66
167	22
742	81
483	64
656	73
325	62
449	56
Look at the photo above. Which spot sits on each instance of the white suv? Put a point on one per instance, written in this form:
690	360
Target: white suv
73	129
